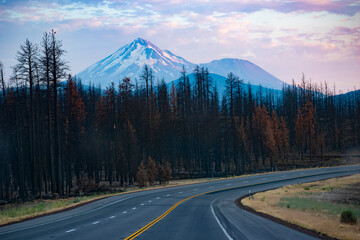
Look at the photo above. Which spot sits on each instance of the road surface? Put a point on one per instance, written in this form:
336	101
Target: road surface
198	211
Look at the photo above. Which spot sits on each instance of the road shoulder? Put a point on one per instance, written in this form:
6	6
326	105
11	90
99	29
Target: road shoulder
313	208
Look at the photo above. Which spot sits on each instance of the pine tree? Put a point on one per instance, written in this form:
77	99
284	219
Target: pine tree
74	119
27	57
284	138
300	133
161	173
231	87
2	79
173	100
309	118
168	172
45	66
58	71
141	176
151	171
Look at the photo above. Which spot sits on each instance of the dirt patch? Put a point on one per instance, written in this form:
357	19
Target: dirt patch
316	206
348	194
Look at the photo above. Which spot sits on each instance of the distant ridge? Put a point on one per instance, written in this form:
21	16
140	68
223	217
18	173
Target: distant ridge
246	70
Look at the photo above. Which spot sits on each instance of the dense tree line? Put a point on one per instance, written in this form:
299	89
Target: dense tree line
55	135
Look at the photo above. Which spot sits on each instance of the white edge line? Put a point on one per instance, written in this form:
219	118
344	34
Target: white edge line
65	218
217	220
71	230
93	210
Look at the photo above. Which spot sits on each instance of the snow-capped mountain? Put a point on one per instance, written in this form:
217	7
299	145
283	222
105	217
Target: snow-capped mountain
246	70
130	59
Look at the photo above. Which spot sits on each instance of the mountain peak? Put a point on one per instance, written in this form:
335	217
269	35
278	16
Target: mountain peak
142	41
139	44
129	60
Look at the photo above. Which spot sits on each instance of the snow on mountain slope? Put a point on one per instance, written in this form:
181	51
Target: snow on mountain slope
246	70
129	61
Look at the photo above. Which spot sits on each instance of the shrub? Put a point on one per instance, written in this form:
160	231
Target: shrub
162	174
86	185
168	172
55	196
141	176
151	171
347	216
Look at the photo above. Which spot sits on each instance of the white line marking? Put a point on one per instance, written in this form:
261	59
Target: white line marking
149	200
134	208
65	218
71	230
142	204
96	209
180	192
168	195
112	217
217	220
158	198
125	212
95	222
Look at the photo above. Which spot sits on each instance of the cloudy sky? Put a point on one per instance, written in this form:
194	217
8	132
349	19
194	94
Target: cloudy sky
320	38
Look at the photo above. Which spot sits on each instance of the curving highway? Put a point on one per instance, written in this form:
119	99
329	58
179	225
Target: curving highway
198	211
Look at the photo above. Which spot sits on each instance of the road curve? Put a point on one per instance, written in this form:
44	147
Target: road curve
198	211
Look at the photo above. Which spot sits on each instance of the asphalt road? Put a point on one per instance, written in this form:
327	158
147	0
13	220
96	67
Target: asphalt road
210	215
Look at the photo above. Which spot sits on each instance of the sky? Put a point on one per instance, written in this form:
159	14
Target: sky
320	38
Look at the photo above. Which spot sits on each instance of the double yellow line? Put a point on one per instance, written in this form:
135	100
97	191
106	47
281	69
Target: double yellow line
149	225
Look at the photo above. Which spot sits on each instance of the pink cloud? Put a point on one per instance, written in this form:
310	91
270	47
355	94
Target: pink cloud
346	31
76	24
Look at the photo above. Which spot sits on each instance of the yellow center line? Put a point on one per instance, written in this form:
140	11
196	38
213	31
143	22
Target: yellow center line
149	225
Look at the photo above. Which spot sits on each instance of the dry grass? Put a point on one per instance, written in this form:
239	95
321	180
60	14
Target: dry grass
11	213
325	218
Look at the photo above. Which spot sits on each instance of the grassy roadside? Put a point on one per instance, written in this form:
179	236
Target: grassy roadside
316	205
11	213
